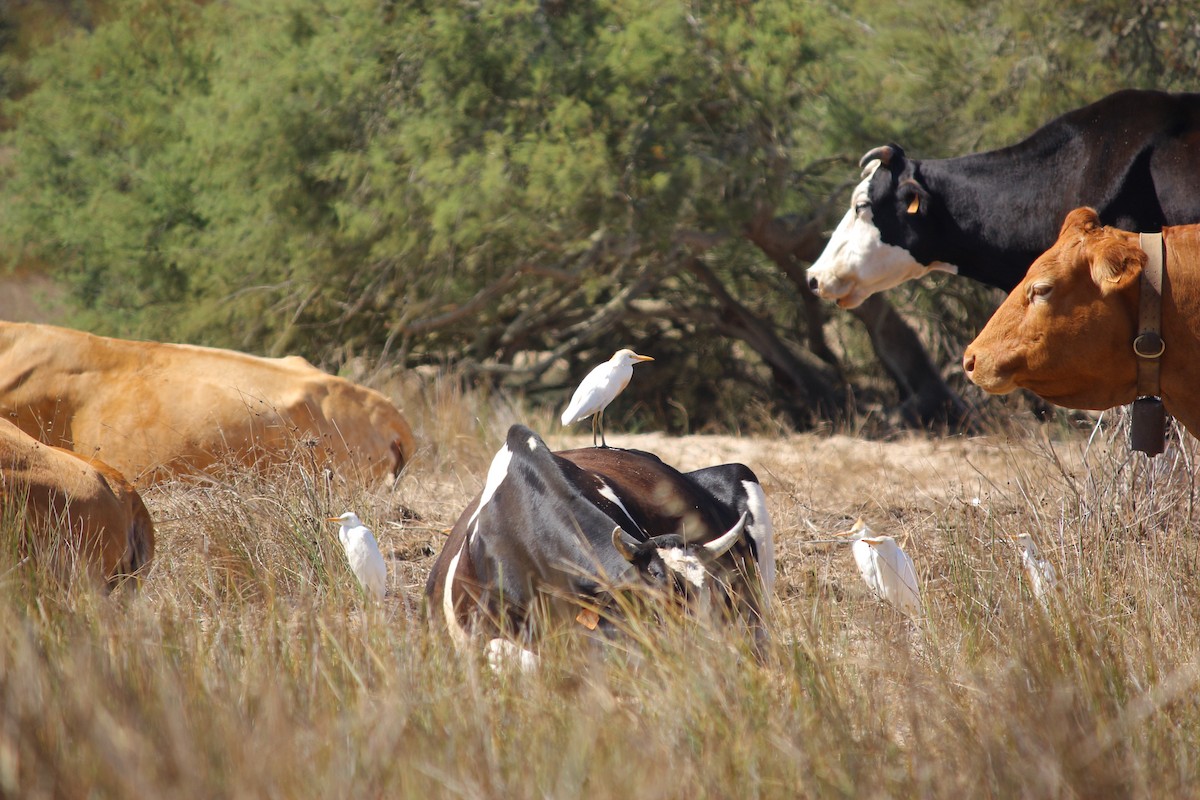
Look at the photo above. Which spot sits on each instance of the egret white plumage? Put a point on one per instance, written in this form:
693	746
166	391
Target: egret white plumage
599	388
1042	577
886	569
363	554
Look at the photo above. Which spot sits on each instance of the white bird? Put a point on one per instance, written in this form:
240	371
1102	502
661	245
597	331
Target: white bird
363	554
1042	578
599	388
887	570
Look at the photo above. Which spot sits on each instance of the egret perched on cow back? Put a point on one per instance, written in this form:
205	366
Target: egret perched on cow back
887	570
363	554
599	388
1042	578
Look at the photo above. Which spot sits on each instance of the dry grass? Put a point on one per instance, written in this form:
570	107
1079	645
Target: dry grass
247	666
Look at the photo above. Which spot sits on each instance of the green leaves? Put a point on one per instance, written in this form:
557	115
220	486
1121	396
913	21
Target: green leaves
463	181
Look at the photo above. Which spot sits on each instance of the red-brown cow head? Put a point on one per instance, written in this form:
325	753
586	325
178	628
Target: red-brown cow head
1066	331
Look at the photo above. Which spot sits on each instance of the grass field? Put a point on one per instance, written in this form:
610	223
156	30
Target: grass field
248	667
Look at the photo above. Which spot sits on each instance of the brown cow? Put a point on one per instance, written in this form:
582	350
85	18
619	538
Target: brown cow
100	516
155	410
1066	332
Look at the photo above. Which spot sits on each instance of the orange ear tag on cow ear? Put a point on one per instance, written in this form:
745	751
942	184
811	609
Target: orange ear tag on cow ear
588	618
915	204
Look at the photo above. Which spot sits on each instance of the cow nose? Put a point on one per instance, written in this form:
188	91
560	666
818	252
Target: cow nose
813	283
969	363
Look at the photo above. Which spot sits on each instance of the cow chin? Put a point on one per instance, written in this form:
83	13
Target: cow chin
995	384
854	299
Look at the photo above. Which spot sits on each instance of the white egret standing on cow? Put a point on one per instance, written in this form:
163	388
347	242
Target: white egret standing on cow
599	388
886	569
363	554
1042	578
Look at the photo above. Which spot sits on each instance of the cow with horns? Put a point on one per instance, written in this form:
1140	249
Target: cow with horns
556	537
1134	156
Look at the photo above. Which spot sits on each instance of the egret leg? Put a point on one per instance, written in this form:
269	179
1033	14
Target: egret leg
594	418
600	416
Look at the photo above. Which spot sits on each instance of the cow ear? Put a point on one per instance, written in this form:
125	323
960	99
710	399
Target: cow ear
913	196
1083	220
1115	266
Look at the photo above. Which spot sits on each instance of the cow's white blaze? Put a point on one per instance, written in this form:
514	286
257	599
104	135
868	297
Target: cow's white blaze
762	532
497	472
856	263
686	565
458	633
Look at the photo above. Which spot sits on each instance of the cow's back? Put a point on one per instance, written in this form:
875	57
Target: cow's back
154	409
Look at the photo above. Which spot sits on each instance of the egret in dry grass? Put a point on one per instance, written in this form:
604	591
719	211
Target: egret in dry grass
599	388
887	570
1042	578
363	554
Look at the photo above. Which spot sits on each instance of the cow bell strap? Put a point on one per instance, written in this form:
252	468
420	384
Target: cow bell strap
1149	345
1148	421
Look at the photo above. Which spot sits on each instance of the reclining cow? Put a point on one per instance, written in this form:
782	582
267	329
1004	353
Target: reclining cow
556	537
1066	332
155	410
66	507
987	216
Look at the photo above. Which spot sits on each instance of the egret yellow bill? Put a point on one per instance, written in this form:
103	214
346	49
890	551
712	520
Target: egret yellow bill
599	388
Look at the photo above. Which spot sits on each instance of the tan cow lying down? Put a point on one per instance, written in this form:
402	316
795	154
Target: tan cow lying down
154	410
98	513
1066	332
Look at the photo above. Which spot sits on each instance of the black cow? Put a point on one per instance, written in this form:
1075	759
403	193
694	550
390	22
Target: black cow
1133	156
561	533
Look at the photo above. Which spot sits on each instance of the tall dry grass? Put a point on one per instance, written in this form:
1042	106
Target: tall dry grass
248	665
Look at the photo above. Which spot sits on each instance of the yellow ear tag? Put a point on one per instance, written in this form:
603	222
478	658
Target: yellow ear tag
588	618
914	204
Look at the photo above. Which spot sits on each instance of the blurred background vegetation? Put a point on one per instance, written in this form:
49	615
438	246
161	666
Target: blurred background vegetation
516	189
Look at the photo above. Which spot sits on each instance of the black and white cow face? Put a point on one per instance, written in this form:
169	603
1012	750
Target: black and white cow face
876	245
687	571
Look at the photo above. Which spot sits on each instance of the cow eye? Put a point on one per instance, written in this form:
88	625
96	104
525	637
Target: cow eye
1040	291
861	206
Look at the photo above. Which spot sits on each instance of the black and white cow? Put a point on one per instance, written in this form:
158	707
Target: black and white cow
554	537
1134	156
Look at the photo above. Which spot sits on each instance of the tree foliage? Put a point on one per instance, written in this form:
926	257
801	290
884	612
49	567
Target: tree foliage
496	185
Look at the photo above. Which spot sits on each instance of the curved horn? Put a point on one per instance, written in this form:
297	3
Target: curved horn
622	546
884	154
719	547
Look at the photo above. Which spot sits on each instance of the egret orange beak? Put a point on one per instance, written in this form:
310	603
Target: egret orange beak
636	357
858	528
333	519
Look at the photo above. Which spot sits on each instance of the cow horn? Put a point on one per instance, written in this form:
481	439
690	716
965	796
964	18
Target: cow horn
884	154
719	547
622	546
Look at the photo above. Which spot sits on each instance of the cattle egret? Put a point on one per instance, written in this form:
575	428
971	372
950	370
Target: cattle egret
599	388
363	554
1042	578
887	570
